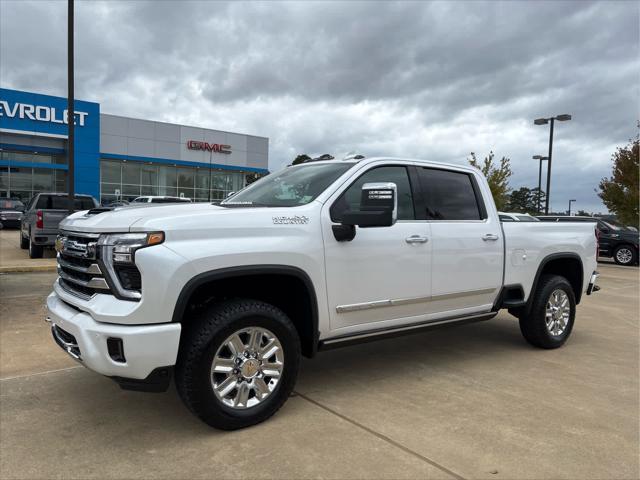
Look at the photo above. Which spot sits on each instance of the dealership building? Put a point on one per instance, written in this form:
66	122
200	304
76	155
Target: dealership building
118	158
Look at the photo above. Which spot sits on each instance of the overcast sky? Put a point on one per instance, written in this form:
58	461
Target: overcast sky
412	79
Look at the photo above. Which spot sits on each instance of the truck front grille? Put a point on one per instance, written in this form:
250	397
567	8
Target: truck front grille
78	266
85	268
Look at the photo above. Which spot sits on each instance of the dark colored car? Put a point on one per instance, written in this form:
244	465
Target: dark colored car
615	241
11	212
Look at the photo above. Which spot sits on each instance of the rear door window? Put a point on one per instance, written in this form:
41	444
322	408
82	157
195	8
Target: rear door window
449	195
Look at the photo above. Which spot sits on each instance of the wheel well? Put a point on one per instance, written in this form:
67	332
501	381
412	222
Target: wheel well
569	267
289	290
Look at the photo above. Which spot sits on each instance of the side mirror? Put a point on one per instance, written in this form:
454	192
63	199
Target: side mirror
378	208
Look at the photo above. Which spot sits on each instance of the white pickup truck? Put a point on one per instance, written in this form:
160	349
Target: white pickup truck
227	298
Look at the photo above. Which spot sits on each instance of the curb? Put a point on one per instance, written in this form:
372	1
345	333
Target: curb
28	268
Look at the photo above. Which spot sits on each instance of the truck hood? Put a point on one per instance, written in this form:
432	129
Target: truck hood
121	219
177	217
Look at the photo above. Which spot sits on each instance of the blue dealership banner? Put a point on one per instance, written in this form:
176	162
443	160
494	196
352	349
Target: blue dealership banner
37	115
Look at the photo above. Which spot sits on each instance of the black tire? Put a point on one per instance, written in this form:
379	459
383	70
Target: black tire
533	324
203	337
24	243
625	255
35	251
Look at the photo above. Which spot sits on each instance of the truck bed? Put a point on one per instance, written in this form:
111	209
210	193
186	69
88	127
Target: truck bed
528	243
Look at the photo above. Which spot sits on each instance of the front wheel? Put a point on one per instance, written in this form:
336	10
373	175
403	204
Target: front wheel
549	321
625	255
238	363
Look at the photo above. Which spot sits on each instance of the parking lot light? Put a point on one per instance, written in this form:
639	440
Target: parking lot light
543	121
541	159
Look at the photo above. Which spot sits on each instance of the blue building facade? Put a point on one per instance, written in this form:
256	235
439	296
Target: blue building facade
117	158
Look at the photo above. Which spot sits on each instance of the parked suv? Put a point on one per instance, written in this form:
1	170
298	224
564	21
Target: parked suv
615	241
39	225
11	212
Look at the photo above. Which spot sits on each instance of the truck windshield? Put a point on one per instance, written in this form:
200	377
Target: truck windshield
290	187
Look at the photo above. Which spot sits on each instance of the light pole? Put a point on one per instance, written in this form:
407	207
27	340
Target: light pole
71	118
570	202
210	163
541	158
543	121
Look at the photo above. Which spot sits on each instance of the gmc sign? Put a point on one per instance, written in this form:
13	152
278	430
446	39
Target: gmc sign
209	147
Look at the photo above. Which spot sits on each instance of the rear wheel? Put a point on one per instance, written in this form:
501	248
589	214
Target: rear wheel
24	243
35	251
625	255
238	363
549	321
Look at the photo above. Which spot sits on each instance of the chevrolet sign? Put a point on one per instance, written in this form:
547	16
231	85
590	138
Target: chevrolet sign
40	113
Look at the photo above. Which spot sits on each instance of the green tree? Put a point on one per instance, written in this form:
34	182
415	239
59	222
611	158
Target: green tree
301	159
620	192
525	200
496	175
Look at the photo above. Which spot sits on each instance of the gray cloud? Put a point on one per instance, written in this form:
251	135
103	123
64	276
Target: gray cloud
428	80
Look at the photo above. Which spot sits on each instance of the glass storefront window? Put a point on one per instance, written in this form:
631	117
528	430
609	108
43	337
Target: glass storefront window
167	176
202	179
131	179
110	172
186	177
43	180
149	175
131	190
148	190
131	173
186	192
20	178
60	180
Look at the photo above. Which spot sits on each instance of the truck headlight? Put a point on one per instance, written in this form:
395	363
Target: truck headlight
121	247
118	257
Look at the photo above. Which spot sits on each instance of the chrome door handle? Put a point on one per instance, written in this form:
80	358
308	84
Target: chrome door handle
490	237
416	239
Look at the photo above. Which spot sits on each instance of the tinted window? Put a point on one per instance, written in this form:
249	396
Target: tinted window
350	199
60	202
448	195
11	205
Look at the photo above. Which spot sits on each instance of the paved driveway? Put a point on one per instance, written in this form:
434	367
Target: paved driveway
468	402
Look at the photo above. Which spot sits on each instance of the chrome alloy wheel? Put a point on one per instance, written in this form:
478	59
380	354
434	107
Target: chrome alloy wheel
247	367
624	255
557	312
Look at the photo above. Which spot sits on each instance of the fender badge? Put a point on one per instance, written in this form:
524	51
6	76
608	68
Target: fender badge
297	220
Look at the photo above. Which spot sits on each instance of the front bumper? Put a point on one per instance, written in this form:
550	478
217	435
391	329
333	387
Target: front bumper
146	348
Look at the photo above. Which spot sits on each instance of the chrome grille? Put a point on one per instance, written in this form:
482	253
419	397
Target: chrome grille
78	268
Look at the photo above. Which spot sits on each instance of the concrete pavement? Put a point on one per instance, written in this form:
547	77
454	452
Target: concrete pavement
15	259
468	402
